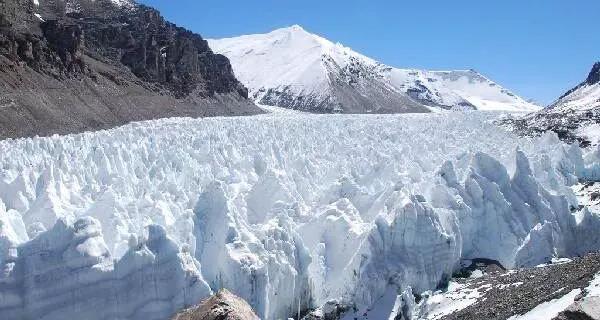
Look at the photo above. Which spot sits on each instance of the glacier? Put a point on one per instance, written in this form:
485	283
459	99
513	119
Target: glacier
287	210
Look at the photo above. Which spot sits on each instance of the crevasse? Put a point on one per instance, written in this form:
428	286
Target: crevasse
286	211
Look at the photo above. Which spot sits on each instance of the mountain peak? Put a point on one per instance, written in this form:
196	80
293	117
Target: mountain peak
293	29
594	76
299	36
296	27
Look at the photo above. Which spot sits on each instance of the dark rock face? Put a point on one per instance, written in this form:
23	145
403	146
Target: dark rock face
73	65
160	52
594	76
423	95
67	40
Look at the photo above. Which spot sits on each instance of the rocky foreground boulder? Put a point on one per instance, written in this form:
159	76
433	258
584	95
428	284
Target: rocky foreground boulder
222	306
74	65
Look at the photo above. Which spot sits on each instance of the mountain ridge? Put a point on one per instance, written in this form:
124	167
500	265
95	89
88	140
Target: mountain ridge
584	95
574	116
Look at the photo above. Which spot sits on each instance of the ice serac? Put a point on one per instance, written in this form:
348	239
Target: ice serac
69	271
289	212
266	265
295	69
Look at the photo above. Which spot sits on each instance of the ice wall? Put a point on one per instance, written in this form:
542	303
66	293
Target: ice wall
68	271
287	212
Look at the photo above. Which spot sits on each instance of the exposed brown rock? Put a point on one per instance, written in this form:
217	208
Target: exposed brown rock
222	306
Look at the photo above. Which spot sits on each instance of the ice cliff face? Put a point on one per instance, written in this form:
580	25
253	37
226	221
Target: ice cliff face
295	69
288	212
69	270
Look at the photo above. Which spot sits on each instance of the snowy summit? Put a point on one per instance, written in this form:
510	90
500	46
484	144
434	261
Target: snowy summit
293	68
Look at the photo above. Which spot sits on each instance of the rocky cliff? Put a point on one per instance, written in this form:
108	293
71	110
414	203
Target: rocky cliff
74	65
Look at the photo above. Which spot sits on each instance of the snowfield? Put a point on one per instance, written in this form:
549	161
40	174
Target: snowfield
286	210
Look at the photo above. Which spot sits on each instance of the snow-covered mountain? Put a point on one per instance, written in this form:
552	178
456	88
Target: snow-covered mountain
575	116
585	96
287	211
293	68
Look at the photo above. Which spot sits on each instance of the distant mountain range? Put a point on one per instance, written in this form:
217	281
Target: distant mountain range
295	69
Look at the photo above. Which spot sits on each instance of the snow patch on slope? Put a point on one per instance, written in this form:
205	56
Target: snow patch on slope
75	6
594	288
575	116
457	297
283	210
550	309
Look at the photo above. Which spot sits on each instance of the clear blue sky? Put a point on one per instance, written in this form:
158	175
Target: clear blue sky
536	48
